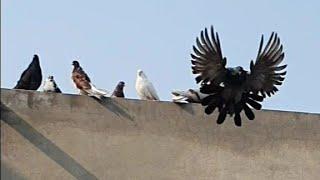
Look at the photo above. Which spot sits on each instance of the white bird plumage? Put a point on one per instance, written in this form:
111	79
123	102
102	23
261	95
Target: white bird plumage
145	88
95	92
50	85
189	96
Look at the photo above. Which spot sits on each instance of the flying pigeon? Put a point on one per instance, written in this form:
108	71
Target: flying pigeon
83	83
50	85
189	96
118	91
31	78
234	89
144	87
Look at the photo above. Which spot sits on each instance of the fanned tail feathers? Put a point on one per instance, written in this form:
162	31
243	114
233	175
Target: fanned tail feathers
248	100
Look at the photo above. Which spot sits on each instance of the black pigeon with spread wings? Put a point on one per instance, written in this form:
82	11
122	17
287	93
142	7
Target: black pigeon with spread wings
232	90
31	78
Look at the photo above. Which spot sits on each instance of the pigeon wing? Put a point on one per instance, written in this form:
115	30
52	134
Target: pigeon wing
265	72
31	78
24	80
81	80
151	91
207	60
56	88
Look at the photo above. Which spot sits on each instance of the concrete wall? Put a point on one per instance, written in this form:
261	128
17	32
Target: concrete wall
54	136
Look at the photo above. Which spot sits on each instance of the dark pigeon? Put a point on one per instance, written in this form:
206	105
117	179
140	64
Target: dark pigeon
31	78
232	90
118	91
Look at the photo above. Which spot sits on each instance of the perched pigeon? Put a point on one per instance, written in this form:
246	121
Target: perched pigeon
191	96
83	83
234	89
118	91
144	87
50	85
31	78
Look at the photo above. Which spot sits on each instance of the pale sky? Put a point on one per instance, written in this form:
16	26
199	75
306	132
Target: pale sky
112	39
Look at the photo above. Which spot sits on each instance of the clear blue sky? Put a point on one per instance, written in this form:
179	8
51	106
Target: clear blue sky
112	39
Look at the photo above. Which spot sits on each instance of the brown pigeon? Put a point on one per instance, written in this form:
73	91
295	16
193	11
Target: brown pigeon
232	90
83	82
31	78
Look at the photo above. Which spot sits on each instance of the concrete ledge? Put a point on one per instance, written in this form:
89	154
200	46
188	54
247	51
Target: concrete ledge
59	136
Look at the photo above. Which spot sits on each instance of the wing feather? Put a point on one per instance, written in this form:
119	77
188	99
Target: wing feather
207	60
265	75
81	80
151	91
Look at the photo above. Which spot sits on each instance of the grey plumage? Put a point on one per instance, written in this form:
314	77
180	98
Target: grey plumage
31	78
189	96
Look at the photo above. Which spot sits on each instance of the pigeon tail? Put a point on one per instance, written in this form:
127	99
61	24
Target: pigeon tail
98	93
179	97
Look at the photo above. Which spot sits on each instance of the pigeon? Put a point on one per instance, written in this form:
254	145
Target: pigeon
189	96
118	91
233	89
31	78
83	83
144	87
50	85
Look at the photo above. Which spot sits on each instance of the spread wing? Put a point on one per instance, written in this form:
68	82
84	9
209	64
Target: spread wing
207	59
265	72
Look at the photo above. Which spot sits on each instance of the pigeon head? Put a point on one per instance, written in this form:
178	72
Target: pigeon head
75	63
140	73
35	59
236	71
238	68
121	84
50	78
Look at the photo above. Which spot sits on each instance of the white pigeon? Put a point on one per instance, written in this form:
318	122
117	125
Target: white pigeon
144	87
50	85
189	96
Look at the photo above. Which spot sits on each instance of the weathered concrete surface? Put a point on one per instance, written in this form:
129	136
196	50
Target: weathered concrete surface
53	136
